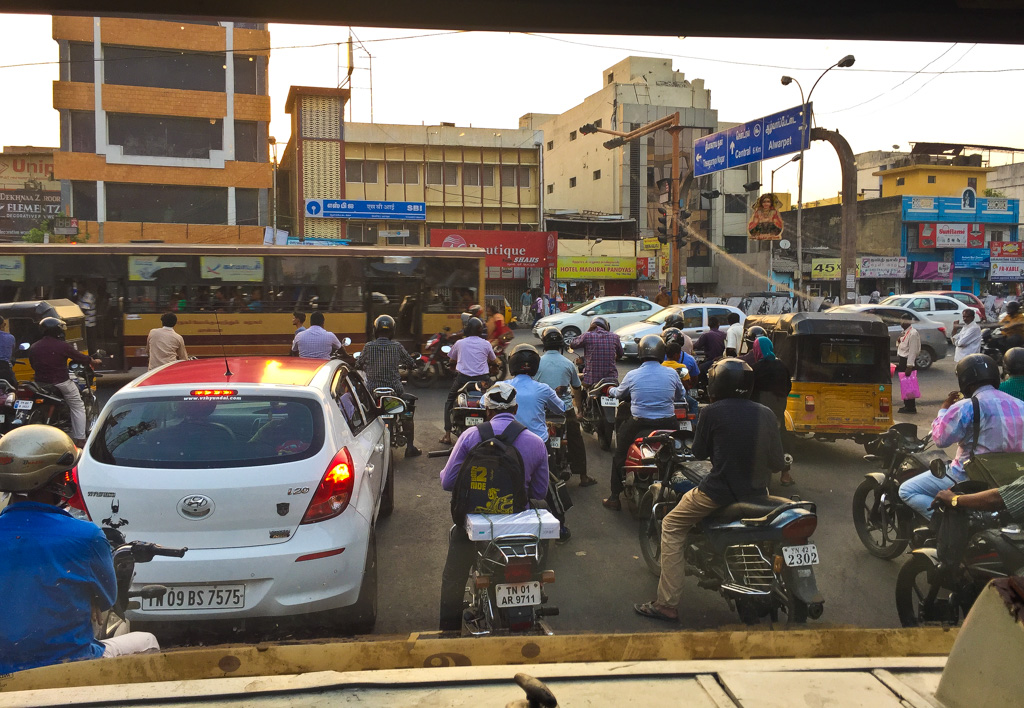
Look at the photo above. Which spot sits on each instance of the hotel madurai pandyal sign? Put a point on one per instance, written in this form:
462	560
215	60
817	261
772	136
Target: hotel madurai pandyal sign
761	139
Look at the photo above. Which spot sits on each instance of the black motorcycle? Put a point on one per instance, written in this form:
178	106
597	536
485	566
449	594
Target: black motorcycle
884	523
44	404
396	423
599	408
558	446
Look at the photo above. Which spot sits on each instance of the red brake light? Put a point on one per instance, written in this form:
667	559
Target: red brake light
942	329
212	392
335	490
519	570
883	405
809	404
77	501
801	529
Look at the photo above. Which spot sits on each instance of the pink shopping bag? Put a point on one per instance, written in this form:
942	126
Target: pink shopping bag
908	386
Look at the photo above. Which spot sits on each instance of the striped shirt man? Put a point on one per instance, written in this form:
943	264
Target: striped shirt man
1002	427
601	349
315	343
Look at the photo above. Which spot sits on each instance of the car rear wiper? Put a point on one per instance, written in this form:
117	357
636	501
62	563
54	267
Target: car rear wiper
131	432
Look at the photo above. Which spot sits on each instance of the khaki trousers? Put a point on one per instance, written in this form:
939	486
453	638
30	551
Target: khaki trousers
693	507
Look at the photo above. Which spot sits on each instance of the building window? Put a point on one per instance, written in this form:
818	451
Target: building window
83	131
597	174
572	182
611	78
364	171
362	232
972	182
512	176
435	169
248	77
167	203
735	244
83	200
402	173
572	135
900	181
551	145
735	203
247	147
247	206
82	62
478	175
597	123
165	136
551	189
931	179
160	68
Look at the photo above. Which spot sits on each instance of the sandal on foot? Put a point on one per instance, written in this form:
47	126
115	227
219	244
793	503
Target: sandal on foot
587	481
612	503
650	609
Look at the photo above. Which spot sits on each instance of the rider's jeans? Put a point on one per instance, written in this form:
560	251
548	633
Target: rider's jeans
919	492
130	643
461	554
69	389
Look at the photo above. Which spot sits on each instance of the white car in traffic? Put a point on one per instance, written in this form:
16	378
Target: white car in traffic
272	477
941	309
696	321
617	310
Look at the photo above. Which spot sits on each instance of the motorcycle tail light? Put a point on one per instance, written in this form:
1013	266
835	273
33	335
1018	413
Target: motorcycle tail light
38	401
481	581
809	404
548	576
801	529
335	489
77	501
518	570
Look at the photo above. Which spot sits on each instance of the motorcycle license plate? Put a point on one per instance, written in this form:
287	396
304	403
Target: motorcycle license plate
23	405
609	401
473	420
685	425
518	594
800	555
555	442
197	597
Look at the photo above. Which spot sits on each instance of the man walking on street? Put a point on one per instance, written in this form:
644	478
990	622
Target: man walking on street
524	302
907	349
164	345
663	298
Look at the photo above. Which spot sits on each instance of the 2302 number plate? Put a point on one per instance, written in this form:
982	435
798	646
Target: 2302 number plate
800	555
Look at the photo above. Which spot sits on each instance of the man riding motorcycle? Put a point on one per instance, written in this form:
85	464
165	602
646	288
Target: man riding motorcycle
601	350
380	360
472	358
742	439
652	390
559	373
1012	327
49	359
57	571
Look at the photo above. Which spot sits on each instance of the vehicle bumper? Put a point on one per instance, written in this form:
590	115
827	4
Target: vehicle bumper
276	585
629	347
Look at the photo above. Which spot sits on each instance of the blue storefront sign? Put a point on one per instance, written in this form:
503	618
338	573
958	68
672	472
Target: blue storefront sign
359	209
760	139
971	258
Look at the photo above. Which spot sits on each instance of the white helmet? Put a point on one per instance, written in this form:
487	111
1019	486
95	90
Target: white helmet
500	396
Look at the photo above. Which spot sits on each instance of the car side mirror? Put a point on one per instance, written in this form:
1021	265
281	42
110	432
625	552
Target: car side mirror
346	341
391	405
589	313
938	469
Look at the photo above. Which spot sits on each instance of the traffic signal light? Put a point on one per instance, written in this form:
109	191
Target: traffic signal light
588	129
662	225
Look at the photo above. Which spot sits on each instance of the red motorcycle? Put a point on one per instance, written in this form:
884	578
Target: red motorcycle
432	364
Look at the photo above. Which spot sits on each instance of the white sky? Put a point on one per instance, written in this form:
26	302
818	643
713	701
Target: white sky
490	79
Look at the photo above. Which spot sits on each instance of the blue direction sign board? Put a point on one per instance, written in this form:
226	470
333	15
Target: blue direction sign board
359	209
761	139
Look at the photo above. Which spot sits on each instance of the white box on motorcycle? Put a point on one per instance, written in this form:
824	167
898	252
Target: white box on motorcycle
535	522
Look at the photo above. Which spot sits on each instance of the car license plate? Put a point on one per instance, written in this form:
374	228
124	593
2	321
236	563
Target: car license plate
609	401
473	420
518	594
685	425
23	405
197	597
555	442
800	555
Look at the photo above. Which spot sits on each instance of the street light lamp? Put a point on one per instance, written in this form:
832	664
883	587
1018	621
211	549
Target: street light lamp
843	63
796	158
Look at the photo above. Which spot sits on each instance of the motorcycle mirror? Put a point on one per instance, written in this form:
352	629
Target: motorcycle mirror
938	468
346	341
24	347
356	355
391	405
150	592
446	349
100	354
415	355
683	372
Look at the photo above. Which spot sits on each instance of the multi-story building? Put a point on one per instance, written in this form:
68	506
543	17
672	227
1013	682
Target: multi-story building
163	128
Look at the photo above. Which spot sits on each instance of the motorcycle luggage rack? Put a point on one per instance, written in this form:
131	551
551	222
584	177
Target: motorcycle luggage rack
747	565
774	513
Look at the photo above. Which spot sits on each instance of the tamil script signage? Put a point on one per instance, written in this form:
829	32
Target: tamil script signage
235	269
760	139
883	267
933	272
142	268
596	268
505	249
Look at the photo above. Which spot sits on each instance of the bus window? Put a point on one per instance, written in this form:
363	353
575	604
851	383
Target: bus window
453	284
314	282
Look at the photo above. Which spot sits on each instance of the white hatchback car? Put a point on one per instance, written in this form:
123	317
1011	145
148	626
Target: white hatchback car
272	476
619	311
696	320
942	309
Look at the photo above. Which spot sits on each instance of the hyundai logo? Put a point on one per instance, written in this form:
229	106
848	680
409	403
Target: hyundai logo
195	506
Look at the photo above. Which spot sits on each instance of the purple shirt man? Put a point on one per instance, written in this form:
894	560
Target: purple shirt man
531	448
472	356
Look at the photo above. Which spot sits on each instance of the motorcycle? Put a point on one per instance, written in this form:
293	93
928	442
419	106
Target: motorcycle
505	590
7	398
432	364
39	403
599	412
884	523
993	344
467	410
558	447
755	553
941	581
500	347
396	424
126	554
643	464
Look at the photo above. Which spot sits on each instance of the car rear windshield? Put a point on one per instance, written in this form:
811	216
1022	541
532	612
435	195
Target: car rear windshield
198	431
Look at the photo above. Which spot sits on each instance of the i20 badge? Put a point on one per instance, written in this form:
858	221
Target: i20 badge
195	507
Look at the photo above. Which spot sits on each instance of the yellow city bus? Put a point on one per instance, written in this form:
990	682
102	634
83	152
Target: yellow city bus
239	300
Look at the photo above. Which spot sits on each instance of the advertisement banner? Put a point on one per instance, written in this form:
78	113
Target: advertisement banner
971	259
1006	270
144	268
12	269
21	210
926	235
505	249
647	268
1006	249
827	269
596	268
652	244
931	235
933	272
234	269
883	267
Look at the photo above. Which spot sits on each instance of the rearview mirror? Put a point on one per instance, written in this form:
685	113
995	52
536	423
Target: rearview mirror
446	349
24	347
391	405
346	341
415	355
938	468
356	355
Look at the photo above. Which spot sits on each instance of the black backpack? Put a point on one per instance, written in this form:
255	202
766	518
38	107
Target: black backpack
492	479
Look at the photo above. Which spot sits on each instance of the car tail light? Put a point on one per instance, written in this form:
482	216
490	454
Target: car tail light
942	329
883	405
809	404
801	529
77	501
335	489
518	570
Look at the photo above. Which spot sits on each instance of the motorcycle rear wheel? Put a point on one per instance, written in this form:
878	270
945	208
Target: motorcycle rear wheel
650	534
879	537
913	586
604	434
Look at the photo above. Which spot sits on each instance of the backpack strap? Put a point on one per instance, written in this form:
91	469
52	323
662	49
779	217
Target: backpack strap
486	431
977	424
510	433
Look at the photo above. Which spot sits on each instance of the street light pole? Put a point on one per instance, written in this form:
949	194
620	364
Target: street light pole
845	62
273	145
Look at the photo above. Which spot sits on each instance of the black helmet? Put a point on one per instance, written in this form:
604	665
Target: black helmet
652	348
1013	361
976	370
753	333
53	327
524	360
551	338
1012	308
673	320
672	334
474	327
384	326
730	378
600	322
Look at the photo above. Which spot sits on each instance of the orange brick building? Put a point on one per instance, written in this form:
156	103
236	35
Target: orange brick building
163	129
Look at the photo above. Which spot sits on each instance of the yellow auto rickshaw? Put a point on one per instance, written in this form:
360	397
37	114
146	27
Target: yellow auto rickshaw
842	386
500	303
23	322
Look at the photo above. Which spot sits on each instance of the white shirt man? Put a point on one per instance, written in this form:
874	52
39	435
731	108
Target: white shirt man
968	339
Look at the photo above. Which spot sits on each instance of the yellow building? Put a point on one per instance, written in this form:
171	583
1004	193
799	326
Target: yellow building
930	180
163	128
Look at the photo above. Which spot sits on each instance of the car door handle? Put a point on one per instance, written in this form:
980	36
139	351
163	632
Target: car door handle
379	447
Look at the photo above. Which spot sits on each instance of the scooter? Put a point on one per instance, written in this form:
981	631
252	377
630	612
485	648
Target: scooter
756	554
432	364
